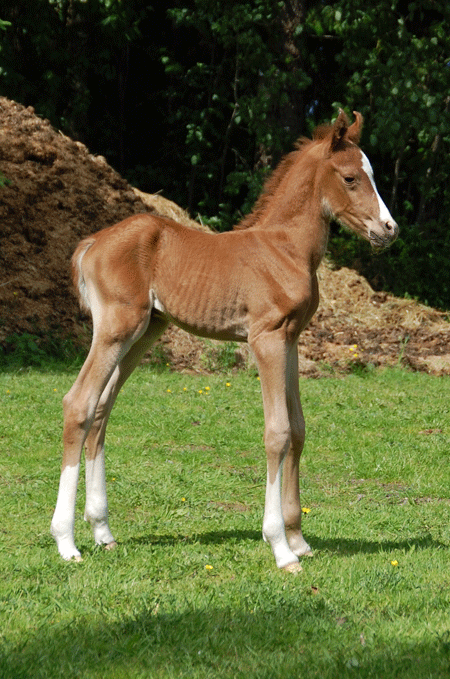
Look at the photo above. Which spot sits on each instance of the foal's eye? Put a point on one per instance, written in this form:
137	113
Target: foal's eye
349	180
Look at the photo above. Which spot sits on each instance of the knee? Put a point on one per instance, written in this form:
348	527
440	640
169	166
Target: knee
277	441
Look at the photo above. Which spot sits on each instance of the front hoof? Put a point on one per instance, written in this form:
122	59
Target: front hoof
292	567
110	546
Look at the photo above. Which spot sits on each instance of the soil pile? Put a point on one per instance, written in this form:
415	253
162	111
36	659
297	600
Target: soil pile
58	193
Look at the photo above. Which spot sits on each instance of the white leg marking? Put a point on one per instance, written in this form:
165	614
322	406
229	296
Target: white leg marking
62	526
385	215
96	510
273	525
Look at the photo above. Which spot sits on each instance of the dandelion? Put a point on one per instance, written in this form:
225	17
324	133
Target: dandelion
169	391
113	478
55	390
228	384
184	388
207	388
200	391
394	562
183	499
306	510
208	567
355	355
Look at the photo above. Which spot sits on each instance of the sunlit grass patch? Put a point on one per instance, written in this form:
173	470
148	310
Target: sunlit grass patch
192	590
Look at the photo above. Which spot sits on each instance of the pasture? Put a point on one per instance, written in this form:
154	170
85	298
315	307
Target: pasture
192	590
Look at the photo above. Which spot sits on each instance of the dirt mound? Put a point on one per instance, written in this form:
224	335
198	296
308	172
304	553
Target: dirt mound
57	193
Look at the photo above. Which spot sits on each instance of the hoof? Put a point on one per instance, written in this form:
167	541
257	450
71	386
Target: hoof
111	545
77	558
292	567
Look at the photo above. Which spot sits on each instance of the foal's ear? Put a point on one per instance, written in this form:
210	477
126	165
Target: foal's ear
354	131
339	130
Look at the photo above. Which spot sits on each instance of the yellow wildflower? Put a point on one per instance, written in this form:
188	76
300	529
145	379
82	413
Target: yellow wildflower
208	567
394	562
306	510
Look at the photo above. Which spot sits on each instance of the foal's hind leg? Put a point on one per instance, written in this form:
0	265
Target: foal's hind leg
290	489
80	405
96	510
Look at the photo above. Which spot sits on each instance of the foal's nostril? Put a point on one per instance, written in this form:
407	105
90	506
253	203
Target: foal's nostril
392	228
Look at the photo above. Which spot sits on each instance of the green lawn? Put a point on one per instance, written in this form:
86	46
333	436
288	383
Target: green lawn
192	590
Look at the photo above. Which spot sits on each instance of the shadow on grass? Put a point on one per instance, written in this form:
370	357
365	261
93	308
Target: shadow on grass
346	547
299	637
337	546
211	538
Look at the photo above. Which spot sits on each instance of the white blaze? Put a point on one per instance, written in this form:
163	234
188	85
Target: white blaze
385	215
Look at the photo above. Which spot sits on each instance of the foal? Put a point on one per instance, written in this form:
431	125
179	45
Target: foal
255	284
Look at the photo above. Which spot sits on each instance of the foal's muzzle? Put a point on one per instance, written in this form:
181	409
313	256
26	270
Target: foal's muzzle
381	241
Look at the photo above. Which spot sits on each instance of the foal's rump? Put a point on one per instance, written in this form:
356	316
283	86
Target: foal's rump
116	263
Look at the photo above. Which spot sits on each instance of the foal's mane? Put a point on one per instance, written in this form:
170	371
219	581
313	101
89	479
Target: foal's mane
272	183
274	180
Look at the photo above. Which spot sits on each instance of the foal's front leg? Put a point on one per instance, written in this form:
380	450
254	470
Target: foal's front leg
271	355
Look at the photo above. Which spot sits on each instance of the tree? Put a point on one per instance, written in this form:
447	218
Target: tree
235	80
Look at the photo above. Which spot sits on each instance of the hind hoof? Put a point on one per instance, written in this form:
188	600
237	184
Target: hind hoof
293	567
111	545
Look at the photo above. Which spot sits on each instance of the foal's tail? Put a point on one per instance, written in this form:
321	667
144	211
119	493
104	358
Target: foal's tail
77	272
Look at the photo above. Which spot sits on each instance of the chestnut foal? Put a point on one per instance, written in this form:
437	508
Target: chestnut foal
255	284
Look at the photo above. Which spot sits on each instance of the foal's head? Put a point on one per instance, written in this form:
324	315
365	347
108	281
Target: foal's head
348	190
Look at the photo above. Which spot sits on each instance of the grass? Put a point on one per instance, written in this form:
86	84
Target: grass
191	590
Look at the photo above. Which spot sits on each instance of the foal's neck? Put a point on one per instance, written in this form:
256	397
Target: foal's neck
300	216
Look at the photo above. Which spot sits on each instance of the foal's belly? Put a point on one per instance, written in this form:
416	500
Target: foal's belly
204	316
